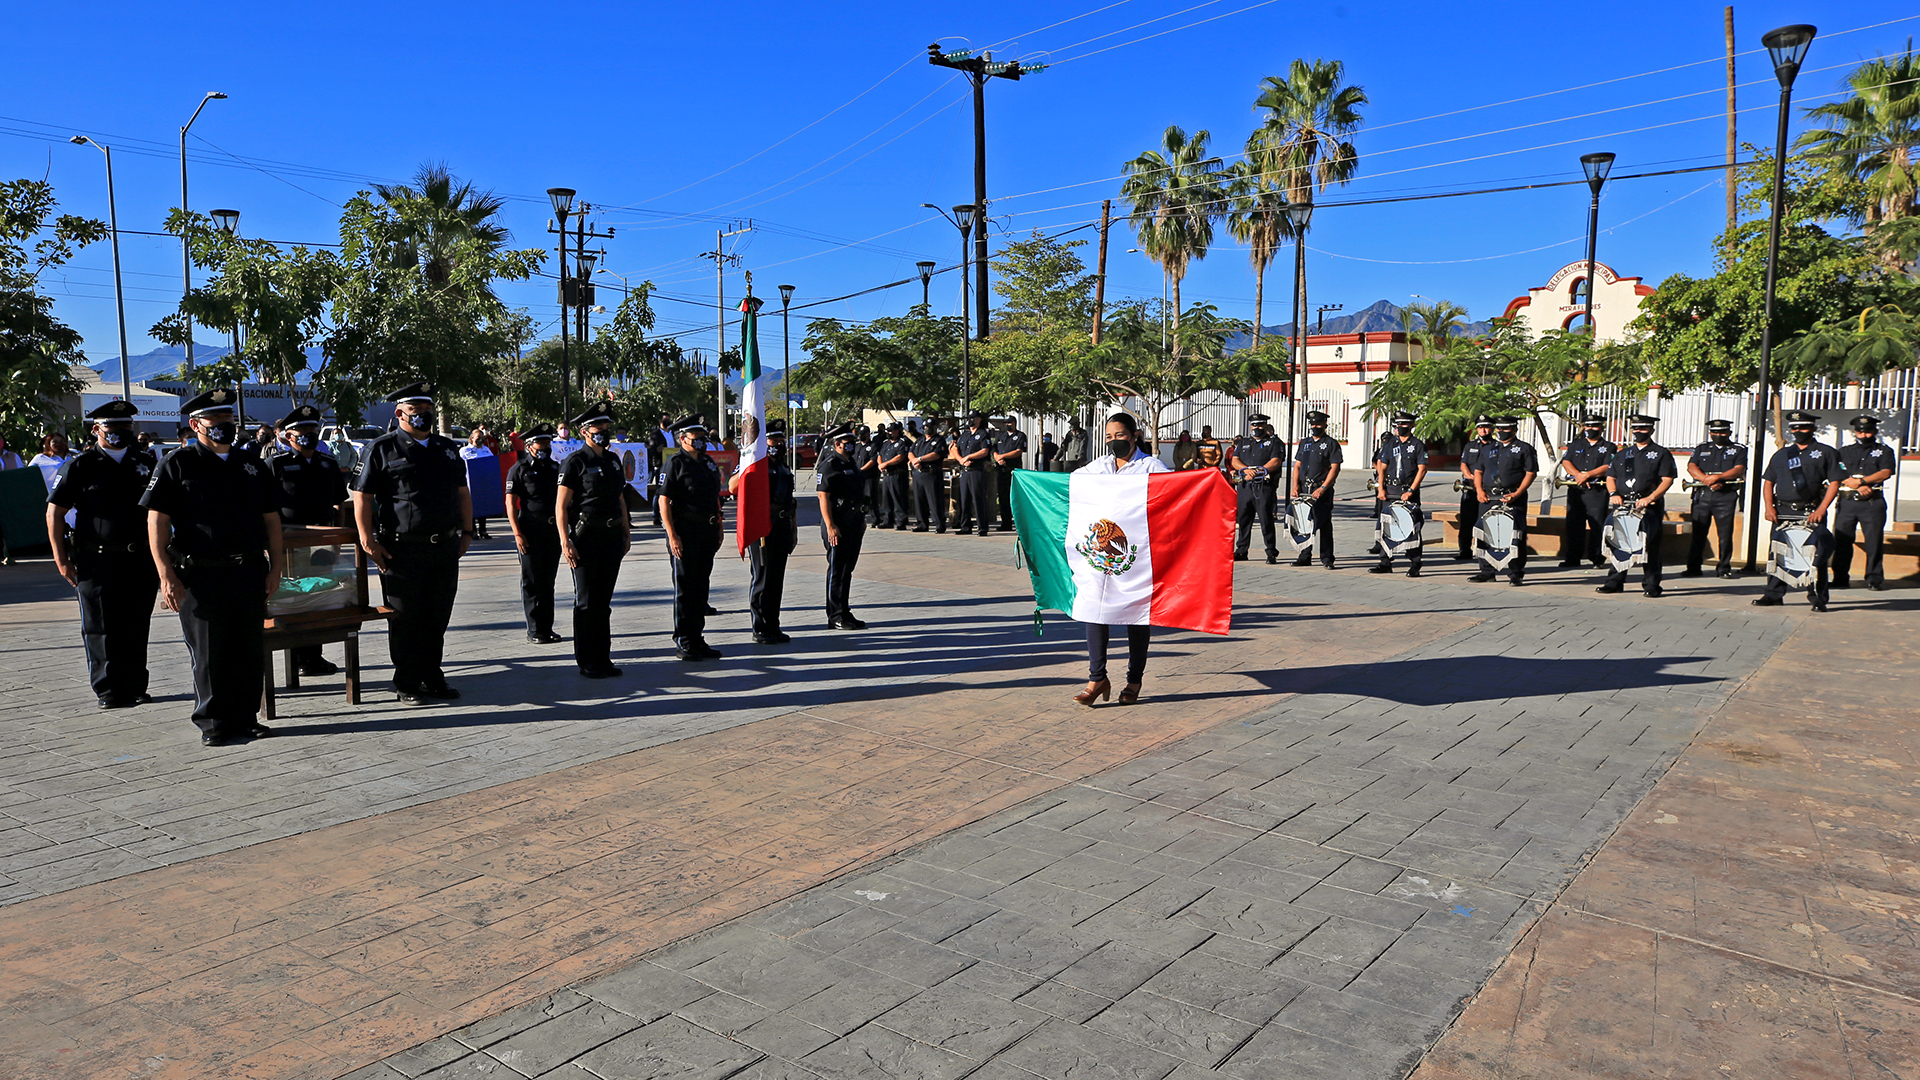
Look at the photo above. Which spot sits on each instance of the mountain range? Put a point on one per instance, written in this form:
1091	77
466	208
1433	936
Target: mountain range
1382	315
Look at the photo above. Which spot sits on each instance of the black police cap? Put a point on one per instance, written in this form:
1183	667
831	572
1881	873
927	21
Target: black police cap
1641	420
1257	418
1315	416
776	427
115	410
838	432
1719	425
1595	418
696	422
420	393
1506	421
1864	422
301	414
537	431
1797	418
598	411
1404	417
221	399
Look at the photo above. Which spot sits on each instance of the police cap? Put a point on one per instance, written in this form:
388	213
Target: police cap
696	422
976	415
596	412
1506	422
115	410
1315	416
1483	420
420	393
1403	417
537	431
1593	418
1799	419
776	427
221	399
1257	418
1719	425
1641	420
1866	423
838	432
301	414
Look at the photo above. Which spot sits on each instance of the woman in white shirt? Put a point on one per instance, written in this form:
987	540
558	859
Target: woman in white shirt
1123	456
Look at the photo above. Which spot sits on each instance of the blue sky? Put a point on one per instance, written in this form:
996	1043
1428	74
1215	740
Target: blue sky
827	127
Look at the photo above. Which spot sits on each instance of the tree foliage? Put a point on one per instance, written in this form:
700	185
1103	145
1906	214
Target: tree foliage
1307	125
1132	362
37	351
1175	195
883	365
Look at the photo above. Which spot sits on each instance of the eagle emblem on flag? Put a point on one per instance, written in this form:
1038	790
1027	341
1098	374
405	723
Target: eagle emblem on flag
1106	548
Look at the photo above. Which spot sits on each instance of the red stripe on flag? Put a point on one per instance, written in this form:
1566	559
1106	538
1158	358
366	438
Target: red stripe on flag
1190	524
753	517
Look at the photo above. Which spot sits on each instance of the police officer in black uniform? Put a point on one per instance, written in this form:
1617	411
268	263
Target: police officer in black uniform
929	458
1639	476
1256	461
973	447
415	517
1720	464
213	525
1469	494
1400	465
767	557
841	526
1802	480
105	557
1507	471
592	502
1587	458
690	509
1866	465
533	504
311	486
1316	467
866	455
893	477
1009	453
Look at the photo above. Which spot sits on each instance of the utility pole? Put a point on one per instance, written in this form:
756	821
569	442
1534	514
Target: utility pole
562	199
978	70
576	291
1100	272
186	256
721	260
1320	327
1733	136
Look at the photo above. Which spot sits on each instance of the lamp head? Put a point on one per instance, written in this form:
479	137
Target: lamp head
929	206
216	95
1788	46
926	271
786	295
226	220
562	198
1300	213
1596	166
968	208
79	140
585	261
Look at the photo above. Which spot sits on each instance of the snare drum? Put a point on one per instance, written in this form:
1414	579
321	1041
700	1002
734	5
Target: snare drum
1496	532
1623	539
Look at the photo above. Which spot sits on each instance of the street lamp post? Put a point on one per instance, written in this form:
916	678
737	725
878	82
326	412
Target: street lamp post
1787	47
1596	166
186	260
228	221
1301	215
562	199
119	295
963	219
786	368
926	283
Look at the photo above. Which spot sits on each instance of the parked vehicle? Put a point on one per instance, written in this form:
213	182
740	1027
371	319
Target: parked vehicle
806	451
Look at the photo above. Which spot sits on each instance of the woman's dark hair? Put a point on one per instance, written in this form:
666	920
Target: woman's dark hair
1125	420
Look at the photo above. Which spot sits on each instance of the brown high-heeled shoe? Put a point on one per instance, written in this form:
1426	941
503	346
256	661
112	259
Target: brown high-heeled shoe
1130	693
1099	689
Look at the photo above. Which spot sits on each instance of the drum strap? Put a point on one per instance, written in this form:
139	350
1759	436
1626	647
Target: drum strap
1800	490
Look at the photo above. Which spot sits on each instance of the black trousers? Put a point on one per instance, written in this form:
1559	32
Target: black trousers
895	500
841	559
767	569
1003	493
976	502
1137	638
1870	518
1517	569
538	565
692	575
870	494
1413	554
223	617
1816	592
1586	517
116	611
1715	508
930	499
599	557
1469	516
419	584
1652	526
1322	526
1256	499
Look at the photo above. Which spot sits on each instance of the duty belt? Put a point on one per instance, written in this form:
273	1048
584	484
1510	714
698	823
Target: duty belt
207	562
584	525
419	537
1782	508
928	468
111	549
696	519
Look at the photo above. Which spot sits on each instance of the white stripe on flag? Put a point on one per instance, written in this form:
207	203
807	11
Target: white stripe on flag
1116	599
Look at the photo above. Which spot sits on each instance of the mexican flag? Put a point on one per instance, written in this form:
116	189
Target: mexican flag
1153	548
753	518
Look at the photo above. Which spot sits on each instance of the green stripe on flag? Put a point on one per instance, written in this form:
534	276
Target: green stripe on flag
749	340
1040	515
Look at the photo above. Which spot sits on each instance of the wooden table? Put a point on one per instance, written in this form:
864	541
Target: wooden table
343	624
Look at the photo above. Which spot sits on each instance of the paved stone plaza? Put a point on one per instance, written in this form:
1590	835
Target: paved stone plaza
1386	826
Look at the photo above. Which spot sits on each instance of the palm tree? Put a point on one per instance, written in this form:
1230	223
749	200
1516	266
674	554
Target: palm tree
1176	194
1871	136
1309	119
1437	322
441	219
1257	217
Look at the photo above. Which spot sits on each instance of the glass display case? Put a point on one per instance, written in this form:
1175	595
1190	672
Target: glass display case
322	599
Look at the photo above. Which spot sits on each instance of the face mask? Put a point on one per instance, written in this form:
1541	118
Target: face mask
305	441
1642	436
1403	431
1508	436
1593	434
543	452
1803	437
421	421
1120	448
1319	431
220	434
114	439
602	439
1720	436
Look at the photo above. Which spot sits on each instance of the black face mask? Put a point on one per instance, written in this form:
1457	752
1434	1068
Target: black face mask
1643	436
1508	436
544	453
1593	434
1802	437
1403	430
601	439
305	440
113	438
1721	437
220	434
1319	431
421	421
1120	448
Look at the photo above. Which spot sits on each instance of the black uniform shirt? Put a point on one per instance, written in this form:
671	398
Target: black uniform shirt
969	441
1866	458
535	481
415	483
105	495
216	505
1006	441
1316	456
779	484
693	486
893	447
1714	458
311	489
1404	458
839	477
1817	462
1506	464
1586	456
1471	454
1636	469
599	485
1255	453
931	444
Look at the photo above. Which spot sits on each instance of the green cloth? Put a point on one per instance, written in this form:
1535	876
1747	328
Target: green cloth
23	508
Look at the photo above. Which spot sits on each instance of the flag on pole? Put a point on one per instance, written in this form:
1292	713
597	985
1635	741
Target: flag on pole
753	515
1153	548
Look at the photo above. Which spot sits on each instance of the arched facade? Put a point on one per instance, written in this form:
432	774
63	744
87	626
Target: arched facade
1561	302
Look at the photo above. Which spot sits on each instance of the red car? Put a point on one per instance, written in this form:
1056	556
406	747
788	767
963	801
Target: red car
806	451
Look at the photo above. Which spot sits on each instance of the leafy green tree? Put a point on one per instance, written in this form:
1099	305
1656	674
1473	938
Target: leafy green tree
37	351
1306	128
652	377
1043	323
1131	362
1175	194
1043	285
441	222
1434	324
884	364
1510	373
1871	136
